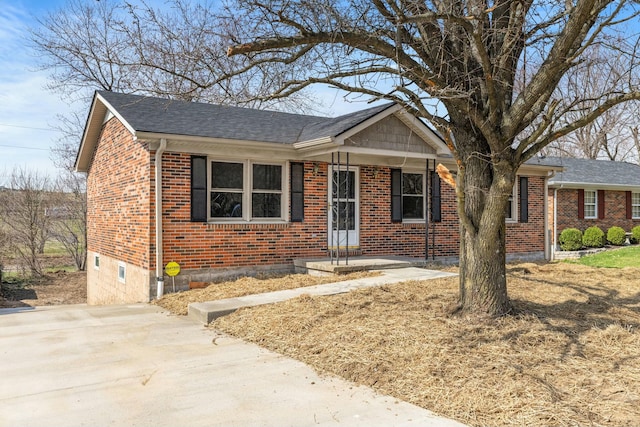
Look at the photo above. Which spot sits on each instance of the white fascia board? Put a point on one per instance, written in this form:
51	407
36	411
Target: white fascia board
423	130
116	113
217	146
367	123
594	186
98	111
313	143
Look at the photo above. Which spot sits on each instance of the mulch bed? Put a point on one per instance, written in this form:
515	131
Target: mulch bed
570	356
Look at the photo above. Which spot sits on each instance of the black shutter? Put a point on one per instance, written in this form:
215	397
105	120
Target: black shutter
396	195
198	189
524	199
297	192
436	215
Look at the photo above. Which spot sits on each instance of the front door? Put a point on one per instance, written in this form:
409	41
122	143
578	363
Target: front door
344	211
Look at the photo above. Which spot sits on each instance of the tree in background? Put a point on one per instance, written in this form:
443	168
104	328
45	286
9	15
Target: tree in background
610	136
68	216
486	74
174	51
23	216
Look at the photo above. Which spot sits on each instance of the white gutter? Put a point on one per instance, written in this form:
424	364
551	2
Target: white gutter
555	223
159	269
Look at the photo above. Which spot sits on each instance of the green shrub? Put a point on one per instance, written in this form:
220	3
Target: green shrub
593	237
635	234
571	239
616	236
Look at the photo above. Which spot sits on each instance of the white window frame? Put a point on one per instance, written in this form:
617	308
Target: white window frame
424	195
247	191
514	203
122	268
594	204
635	205
96	261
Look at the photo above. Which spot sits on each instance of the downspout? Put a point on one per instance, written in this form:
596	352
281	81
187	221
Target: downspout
555	221
159	269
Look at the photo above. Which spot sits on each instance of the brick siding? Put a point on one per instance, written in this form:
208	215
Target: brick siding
206	245
614	212
118	197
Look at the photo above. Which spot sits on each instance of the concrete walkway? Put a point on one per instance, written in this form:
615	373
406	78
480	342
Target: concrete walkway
138	366
205	312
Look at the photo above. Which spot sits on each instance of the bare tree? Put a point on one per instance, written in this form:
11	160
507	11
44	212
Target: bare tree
175	51
463	56
609	135
68	216
4	251
23	215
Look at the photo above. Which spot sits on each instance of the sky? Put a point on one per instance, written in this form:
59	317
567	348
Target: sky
28	110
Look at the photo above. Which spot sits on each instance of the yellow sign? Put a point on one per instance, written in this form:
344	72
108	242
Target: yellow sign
172	268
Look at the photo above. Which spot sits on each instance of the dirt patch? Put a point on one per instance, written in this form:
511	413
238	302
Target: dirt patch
178	303
54	289
570	355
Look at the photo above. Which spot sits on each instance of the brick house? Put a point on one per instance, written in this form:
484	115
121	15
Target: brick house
589	193
235	190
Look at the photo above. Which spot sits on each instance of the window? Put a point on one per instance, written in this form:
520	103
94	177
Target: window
96	261
590	204
122	272
512	206
635	205
407	196
412	196
246	190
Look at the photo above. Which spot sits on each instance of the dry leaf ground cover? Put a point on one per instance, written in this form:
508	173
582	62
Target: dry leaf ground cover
570	356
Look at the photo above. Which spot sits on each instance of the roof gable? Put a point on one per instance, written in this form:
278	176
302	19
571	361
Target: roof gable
157	117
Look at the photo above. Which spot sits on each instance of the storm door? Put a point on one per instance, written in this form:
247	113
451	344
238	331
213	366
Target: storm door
343	209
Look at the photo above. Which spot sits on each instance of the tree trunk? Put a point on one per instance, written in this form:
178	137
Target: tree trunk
482	207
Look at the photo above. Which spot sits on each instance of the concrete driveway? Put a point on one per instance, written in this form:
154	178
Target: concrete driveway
138	366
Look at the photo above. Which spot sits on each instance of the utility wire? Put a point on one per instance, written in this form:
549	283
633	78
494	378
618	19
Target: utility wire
24	148
29	127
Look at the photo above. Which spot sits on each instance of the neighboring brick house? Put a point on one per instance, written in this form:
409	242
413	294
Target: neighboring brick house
589	193
243	190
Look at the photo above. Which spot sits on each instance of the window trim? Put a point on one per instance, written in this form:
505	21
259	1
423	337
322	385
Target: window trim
594	204
247	190
122	267
424	195
514	203
635	194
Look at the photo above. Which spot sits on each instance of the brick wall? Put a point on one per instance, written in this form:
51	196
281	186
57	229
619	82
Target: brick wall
614	212
529	236
197	245
200	245
118	194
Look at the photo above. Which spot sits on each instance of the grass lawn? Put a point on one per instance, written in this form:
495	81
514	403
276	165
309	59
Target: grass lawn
618	258
569	356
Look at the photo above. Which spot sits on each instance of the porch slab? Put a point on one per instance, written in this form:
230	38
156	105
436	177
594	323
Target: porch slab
356	263
206	312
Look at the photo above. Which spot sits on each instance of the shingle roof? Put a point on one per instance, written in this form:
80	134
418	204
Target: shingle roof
157	115
594	172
